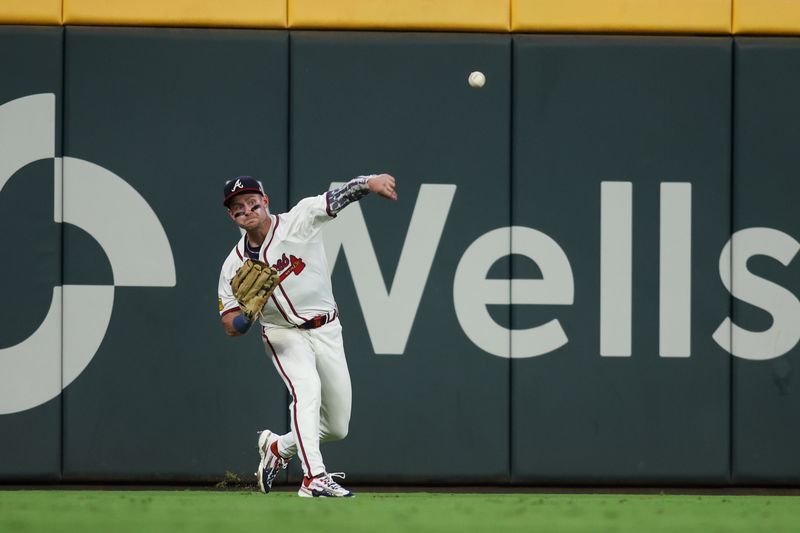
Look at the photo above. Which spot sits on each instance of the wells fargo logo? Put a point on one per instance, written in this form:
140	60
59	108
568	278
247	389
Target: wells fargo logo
389	309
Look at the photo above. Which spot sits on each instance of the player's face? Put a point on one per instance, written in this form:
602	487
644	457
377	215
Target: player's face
249	211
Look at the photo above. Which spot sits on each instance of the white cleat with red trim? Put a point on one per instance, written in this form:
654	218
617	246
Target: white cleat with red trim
323	486
271	463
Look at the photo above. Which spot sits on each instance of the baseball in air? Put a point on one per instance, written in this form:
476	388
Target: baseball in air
477	79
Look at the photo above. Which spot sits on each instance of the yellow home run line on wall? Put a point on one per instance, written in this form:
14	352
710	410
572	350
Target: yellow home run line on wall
622	16
766	17
219	13
46	12
707	17
472	15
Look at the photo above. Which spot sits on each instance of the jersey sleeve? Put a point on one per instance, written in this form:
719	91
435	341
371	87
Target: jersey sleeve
307	217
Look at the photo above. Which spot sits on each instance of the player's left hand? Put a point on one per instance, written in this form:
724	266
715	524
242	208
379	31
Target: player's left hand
383	185
252	286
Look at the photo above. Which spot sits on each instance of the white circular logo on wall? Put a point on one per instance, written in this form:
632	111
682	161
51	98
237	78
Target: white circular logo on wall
37	369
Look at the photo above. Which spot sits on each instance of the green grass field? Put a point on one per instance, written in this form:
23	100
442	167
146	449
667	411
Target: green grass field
88	511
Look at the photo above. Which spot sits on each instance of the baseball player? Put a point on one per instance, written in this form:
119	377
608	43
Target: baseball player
277	275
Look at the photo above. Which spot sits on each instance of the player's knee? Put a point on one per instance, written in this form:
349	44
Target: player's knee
338	432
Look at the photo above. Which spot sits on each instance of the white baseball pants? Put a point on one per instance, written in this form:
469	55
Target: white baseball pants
312	364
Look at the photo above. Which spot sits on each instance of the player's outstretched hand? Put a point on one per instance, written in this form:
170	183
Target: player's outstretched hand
383	185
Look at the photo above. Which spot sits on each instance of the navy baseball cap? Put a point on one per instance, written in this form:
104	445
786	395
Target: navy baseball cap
239	185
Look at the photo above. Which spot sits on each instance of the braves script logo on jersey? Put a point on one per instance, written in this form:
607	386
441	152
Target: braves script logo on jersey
295	264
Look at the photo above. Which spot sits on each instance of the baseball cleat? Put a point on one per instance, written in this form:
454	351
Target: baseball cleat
271	463
323	486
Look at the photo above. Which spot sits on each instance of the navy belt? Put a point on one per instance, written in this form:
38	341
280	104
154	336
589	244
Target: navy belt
317	321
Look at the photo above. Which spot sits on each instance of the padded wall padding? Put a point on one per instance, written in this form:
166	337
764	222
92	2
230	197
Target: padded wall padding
621	16
30	12
766	276
622	158
30	239
593	172
158	120
442	15
427	402
766	17
231	13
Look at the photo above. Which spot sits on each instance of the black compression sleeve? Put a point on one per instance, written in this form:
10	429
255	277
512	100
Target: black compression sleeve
352	191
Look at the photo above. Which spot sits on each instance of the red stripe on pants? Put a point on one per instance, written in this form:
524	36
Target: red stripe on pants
294	411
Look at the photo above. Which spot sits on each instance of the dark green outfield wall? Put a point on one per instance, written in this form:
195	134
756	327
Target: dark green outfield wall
603	176
601	112
172	111
31	62
766	399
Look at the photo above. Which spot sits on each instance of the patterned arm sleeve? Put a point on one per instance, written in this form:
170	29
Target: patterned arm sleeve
352	191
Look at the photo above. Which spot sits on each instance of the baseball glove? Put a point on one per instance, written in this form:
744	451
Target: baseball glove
253	285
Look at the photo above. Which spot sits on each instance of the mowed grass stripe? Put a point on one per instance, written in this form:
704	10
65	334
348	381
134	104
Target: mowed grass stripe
89	511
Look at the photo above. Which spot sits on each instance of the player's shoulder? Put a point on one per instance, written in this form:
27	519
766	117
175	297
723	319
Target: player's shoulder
302	221
309	206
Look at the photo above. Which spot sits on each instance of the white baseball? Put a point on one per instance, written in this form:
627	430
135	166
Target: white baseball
477	79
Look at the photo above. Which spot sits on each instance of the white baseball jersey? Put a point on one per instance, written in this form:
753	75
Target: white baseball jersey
312	361
293	246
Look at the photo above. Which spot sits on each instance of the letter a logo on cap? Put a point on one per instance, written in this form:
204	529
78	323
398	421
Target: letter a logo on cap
237	185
